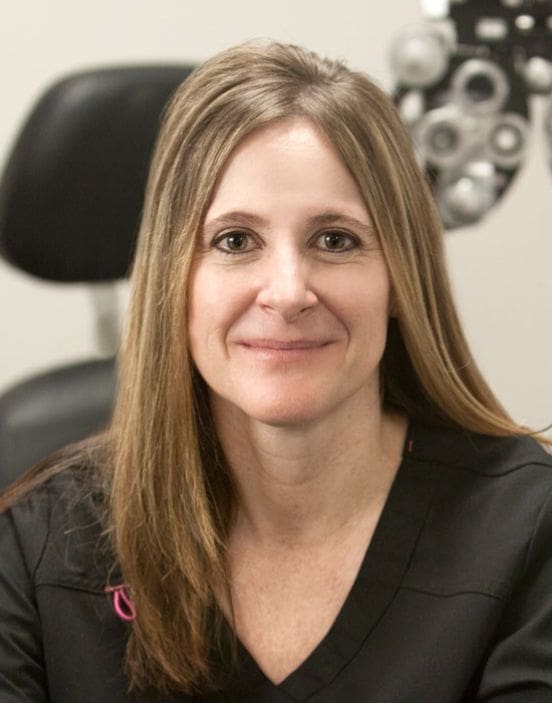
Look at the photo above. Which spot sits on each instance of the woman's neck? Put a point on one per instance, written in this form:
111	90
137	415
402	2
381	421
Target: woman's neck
299	486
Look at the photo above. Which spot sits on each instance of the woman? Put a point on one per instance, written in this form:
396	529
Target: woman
308	492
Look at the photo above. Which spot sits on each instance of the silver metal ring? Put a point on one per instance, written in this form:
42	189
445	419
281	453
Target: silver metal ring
480	86
442	138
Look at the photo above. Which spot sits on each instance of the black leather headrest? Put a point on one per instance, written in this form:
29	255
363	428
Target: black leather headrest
72	191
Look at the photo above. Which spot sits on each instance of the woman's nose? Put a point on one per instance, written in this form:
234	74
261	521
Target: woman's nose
286	288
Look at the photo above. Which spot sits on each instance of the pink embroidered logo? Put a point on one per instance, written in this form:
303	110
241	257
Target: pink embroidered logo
122	604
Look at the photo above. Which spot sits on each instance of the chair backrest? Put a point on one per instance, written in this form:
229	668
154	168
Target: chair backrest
70	203
72	190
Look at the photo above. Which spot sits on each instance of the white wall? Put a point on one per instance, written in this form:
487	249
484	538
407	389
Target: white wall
501	269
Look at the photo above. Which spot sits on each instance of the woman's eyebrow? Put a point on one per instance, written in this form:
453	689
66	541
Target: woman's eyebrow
324	219
334	218
233	218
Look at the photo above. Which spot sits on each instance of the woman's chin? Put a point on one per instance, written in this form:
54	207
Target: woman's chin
287	412
296	404
280	411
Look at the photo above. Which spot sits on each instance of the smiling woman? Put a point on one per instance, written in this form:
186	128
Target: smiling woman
308	491
296	290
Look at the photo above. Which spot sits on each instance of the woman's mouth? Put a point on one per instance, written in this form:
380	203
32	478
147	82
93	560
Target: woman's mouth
283	349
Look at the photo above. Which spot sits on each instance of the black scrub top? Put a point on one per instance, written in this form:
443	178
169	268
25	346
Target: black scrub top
452	603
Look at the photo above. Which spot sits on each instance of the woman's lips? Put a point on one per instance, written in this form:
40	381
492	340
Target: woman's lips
283	350
284	345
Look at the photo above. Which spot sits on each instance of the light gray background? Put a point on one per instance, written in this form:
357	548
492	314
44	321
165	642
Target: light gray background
500	269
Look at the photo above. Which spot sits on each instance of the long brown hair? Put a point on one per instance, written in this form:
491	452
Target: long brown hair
172	498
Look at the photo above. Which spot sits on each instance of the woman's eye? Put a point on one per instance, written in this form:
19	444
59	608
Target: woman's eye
235	242
336	241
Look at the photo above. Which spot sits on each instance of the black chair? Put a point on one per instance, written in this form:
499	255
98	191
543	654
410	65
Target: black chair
70	203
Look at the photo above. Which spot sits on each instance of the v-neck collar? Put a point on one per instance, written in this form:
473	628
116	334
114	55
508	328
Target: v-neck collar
373	590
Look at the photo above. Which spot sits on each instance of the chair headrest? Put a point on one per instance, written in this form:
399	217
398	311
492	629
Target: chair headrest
72	191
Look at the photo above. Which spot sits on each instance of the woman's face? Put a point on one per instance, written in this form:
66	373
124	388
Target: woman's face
289	293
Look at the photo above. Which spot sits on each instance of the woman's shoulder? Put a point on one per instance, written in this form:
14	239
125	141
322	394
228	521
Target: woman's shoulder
58	522
463	451
490	513
68	481
497	489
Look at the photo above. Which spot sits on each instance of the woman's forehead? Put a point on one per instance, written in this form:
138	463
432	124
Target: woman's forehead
288	163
